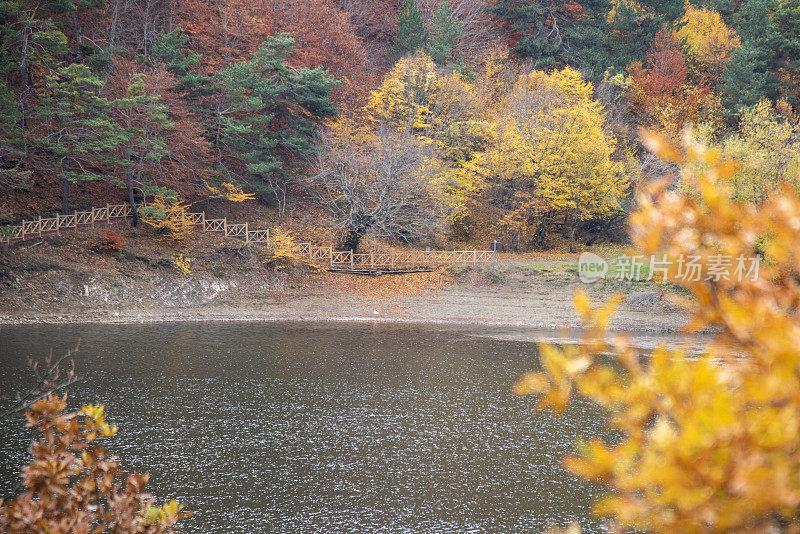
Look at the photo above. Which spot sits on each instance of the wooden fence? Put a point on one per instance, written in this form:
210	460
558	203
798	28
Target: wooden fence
326	255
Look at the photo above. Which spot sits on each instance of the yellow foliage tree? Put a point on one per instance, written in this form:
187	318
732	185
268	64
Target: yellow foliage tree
708	443
709	42
767	147
283	251
415	97
228	191
465	186
168	217
550	154
495	74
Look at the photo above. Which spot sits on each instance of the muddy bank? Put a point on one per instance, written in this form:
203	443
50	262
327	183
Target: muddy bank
521	299
62	280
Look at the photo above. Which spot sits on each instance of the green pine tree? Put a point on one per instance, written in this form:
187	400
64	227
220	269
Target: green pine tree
142	119
444	33
746	79
783	43
171	52
272	109
410	29
12	143
75	130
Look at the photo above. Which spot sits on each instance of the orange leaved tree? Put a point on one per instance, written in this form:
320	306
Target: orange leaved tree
74	485
708	443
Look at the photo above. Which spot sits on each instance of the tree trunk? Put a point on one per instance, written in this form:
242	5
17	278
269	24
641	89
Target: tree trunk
572	238
351	240
132	201
65	197
23	76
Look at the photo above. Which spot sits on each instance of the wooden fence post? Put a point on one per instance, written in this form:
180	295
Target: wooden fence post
108	212
268	245
225	226
58	224
454	257
246	234
371	259
474	257
352	263
203	220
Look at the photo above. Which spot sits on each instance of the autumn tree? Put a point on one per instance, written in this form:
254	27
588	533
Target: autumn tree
416	97
73	484
563	127
709	42
662	93
471	210
325	37
549	158
381	182
703	445
766	145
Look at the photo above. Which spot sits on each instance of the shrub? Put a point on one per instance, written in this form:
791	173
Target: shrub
168	218
72	484
112	241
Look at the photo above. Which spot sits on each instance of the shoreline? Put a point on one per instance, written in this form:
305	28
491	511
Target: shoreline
434	309
61	283
153	319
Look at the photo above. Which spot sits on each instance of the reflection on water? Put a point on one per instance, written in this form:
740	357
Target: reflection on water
332	428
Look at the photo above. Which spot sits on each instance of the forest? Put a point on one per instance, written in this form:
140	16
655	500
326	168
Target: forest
417	122
666	129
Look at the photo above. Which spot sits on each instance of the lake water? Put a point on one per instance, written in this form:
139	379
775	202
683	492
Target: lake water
291	427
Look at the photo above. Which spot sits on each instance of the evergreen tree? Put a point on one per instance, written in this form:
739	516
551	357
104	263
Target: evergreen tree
746	79
444	33
74	127
272	111
12	144
631	27
555	34
142	120
170	51
411	34
783	43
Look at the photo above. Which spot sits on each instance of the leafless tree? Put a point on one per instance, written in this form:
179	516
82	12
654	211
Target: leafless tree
386	187
477	28
51	375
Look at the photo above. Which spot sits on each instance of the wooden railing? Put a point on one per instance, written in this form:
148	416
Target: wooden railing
322	254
